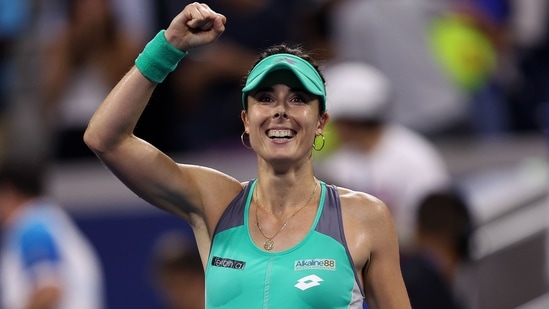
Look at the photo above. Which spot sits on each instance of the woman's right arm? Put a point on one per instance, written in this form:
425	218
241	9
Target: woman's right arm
151	174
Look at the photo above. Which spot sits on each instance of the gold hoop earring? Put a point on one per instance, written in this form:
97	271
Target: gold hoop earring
323	143
244	142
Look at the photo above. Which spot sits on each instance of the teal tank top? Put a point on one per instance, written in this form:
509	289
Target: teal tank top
316	273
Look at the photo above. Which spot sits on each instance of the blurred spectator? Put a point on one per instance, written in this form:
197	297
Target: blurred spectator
14	19
495	51
471	42
211	78
178	272
136	19
393	37
375	154
314	30
443	233
529	30
90	54
46	262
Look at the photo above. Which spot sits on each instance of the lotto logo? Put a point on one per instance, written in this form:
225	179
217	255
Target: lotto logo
308	282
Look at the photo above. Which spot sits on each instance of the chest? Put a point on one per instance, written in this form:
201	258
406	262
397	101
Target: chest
316	273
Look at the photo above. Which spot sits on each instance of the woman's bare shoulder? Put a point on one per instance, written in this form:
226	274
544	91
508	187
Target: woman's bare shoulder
354	198
367	222
362	205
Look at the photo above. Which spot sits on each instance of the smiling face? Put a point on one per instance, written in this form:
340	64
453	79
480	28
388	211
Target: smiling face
283	118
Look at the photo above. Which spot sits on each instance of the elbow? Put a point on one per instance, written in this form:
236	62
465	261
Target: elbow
92	139
103	142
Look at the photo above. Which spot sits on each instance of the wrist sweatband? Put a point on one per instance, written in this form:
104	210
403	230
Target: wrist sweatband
158	58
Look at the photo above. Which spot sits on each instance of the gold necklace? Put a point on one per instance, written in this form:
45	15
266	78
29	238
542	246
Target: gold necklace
269	243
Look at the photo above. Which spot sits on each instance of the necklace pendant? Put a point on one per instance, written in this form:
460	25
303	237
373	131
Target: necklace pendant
268	245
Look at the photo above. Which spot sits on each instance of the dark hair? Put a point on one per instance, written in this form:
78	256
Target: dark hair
447	213
26	177
285	48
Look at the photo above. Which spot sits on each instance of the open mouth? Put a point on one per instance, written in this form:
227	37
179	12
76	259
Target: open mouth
280	134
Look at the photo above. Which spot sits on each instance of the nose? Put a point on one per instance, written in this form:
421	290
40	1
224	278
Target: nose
281	113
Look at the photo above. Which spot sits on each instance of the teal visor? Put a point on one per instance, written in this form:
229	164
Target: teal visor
302	69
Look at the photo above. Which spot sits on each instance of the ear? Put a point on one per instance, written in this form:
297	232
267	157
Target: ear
322	121
245	122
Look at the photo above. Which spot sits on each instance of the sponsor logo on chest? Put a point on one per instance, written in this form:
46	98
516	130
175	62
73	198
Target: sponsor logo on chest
308	264
228	263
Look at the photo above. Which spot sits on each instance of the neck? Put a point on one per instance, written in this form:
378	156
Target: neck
281	217
277	197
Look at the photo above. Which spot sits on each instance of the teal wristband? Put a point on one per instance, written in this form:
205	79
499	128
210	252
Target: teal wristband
159	58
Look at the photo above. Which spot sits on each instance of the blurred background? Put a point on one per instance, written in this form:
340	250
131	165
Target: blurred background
470	77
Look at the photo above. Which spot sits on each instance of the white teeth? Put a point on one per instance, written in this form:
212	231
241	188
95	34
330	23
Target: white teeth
280	133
